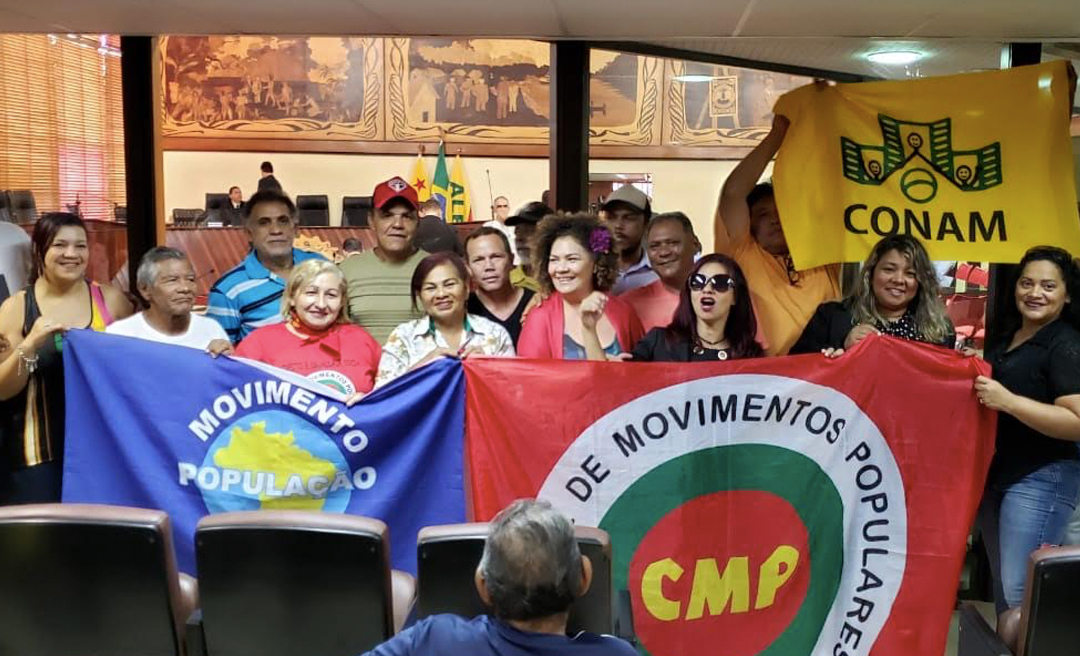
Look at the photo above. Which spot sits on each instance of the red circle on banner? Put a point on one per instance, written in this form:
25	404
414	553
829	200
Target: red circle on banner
689	592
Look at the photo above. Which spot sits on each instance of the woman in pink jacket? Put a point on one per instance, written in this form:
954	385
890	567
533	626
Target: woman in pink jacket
576	264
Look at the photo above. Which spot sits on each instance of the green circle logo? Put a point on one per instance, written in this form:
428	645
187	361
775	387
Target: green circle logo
740	589
919	185
753	509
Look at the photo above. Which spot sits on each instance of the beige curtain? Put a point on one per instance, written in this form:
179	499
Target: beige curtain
61	121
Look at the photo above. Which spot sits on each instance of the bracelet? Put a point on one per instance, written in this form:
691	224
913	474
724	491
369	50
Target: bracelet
30	364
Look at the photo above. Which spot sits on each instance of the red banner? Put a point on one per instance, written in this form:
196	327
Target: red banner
781	506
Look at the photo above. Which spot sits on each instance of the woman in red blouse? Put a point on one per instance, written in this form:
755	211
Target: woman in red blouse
317	340
576	264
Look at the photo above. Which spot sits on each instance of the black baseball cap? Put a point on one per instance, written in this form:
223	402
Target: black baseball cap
531	212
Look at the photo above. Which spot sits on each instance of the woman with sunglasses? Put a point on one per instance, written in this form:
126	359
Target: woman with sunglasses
714	319
896	294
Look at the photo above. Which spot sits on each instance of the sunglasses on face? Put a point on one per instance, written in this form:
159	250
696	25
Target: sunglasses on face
721	282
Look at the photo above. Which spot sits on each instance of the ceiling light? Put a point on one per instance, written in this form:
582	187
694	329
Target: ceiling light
692	78
895	57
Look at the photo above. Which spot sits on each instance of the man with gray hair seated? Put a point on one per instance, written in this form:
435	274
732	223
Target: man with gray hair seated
531	572
166	280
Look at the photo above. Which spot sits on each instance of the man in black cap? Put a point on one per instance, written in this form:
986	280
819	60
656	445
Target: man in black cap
524	223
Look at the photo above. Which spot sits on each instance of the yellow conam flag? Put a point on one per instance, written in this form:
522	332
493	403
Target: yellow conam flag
979	166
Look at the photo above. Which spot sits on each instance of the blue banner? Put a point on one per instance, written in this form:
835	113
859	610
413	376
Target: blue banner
157	426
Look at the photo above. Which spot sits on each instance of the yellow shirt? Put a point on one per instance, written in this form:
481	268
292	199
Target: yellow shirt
783	309
519	279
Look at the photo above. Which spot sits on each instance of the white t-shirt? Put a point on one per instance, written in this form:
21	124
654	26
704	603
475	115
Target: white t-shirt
199	334
15	257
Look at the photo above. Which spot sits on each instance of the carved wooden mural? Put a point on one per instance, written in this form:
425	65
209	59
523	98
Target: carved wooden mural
330	90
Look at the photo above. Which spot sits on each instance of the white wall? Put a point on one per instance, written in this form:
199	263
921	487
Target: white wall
691	186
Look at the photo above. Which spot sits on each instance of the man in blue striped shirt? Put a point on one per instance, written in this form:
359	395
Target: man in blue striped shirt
248	295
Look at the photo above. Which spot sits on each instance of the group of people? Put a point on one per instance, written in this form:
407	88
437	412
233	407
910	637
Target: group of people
627	285
258	99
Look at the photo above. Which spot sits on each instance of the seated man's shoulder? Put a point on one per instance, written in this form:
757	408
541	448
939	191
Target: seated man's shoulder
438	632
594	644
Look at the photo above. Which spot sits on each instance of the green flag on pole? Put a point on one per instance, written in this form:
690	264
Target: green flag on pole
440	182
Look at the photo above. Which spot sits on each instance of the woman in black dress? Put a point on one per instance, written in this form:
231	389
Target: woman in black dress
714	320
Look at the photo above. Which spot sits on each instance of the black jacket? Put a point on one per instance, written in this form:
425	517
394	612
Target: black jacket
655	346
829	327
269	182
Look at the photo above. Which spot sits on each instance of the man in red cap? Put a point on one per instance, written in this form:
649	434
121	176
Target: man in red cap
379	279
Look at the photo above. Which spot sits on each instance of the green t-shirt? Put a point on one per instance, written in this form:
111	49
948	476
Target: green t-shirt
379	297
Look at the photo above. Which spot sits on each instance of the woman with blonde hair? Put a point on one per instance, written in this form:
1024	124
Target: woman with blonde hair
896	294
316	338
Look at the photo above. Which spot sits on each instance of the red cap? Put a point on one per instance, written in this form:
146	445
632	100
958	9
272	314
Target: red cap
394	188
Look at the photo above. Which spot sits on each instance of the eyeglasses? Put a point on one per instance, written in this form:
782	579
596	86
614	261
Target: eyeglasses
721	282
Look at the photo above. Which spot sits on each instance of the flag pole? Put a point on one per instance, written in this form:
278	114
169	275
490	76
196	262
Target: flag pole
491	195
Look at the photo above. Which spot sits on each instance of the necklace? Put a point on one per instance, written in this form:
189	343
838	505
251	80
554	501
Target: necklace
721	353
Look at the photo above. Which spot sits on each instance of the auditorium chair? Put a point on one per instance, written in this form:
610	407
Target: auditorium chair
313	210
354	211
1045	624
216	201
284	583
84	580
447	557
968	315
186	217
974	275
5	207
23	206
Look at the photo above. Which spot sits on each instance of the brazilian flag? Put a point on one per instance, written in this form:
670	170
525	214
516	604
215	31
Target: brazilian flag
440	183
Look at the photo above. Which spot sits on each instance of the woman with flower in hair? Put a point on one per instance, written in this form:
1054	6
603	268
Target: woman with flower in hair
576	265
